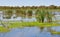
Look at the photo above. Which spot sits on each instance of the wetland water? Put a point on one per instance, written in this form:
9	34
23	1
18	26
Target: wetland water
32	32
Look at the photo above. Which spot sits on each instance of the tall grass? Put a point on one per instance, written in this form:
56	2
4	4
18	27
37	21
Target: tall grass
41	15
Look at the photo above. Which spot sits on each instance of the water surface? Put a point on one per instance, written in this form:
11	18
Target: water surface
31	32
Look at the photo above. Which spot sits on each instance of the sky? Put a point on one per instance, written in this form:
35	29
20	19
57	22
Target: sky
29	2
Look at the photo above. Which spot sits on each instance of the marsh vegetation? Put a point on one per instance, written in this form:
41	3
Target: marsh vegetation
21	17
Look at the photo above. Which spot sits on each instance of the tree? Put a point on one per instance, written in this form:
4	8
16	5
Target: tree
52	7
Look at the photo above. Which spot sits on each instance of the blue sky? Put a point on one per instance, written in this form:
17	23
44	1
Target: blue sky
29	2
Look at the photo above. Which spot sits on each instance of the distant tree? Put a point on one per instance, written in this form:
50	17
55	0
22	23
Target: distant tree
29	12
52	7
8	14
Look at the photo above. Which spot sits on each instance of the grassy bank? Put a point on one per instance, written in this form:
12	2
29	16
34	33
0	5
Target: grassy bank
26	24
30	24
2	29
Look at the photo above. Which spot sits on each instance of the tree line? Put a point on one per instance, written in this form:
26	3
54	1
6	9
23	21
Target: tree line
30	7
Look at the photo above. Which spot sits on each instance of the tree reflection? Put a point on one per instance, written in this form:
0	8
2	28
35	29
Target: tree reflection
41	29
3	34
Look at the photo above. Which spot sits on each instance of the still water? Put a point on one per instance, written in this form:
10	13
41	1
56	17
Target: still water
31	32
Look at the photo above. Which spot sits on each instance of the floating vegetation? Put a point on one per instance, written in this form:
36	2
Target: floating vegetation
54	32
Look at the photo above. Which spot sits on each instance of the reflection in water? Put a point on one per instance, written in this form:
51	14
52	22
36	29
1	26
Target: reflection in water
41	29
33	31
2	34
30	32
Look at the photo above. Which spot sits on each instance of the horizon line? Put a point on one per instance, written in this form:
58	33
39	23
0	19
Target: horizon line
27	5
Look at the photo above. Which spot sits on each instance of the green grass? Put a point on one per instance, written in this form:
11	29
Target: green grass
55	32
29	24
2	29
26	24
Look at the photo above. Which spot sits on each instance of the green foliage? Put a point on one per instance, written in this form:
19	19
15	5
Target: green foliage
8	14
29	13
30	24
25	24
49	16
3	29
41	15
